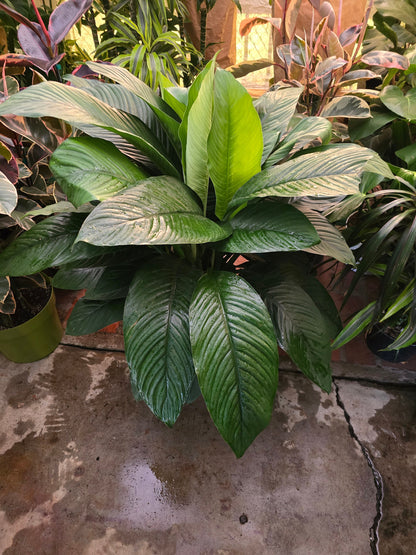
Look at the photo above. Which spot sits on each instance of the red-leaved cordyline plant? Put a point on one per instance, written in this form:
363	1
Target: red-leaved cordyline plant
40	44
322	62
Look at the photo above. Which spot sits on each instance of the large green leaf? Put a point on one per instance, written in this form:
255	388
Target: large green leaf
399	9
159	211
92	169
408	155
82	110
121	98
235	143
332	242
48	243
327	173
132	83
41	246
267	227
156	334
301	331
235	356
276	109
194	132
163	111
77	278
113	283
8	195
89	316
402	104
307	130
359	129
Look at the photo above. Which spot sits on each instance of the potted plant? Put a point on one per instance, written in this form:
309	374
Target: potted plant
168	193
382	230
384	234
29	325
30	328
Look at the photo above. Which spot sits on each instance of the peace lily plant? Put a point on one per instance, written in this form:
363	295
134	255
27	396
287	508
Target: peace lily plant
167	193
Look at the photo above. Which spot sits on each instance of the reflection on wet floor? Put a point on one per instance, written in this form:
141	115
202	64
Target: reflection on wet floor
86	469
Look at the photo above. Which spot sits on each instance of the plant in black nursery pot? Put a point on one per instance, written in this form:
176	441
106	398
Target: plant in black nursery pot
167	192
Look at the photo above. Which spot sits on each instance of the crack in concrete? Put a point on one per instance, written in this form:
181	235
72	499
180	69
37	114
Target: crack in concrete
94	349
377	477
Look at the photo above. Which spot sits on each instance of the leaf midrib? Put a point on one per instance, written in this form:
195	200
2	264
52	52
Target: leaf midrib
235	360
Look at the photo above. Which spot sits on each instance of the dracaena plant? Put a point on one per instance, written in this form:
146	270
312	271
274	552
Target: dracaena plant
384	234
168	193
40	43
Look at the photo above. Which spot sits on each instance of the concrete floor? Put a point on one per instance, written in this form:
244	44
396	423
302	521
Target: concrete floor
84	469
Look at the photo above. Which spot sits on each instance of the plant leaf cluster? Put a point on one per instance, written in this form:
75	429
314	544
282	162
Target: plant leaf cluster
38	42
190	220
26	186
327	62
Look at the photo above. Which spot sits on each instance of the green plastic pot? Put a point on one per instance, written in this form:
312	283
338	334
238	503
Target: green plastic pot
34	339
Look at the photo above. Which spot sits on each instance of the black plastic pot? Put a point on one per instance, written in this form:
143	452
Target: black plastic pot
379	339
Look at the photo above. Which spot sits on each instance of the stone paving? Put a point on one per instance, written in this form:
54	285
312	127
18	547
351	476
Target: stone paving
84	469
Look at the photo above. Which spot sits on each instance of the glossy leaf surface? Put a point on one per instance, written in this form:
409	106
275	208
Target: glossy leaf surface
80	108
269	227
41	246
156	333
276	109
120	75
235	143
92	169
235	356
307	130
121	98
332	242
159	211
8	195
301	331
194	132
64	17
327	173
90	316
387	59
401	104
346	107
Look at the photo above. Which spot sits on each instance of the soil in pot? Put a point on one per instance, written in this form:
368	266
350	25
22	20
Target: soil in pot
29	302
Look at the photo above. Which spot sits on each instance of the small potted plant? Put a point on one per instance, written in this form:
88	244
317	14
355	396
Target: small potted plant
29	325
30	328
384	234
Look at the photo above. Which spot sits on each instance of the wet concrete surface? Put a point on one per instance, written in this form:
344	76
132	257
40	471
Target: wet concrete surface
84	469
384	419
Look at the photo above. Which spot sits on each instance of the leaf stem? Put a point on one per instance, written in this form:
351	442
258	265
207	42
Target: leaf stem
44	29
